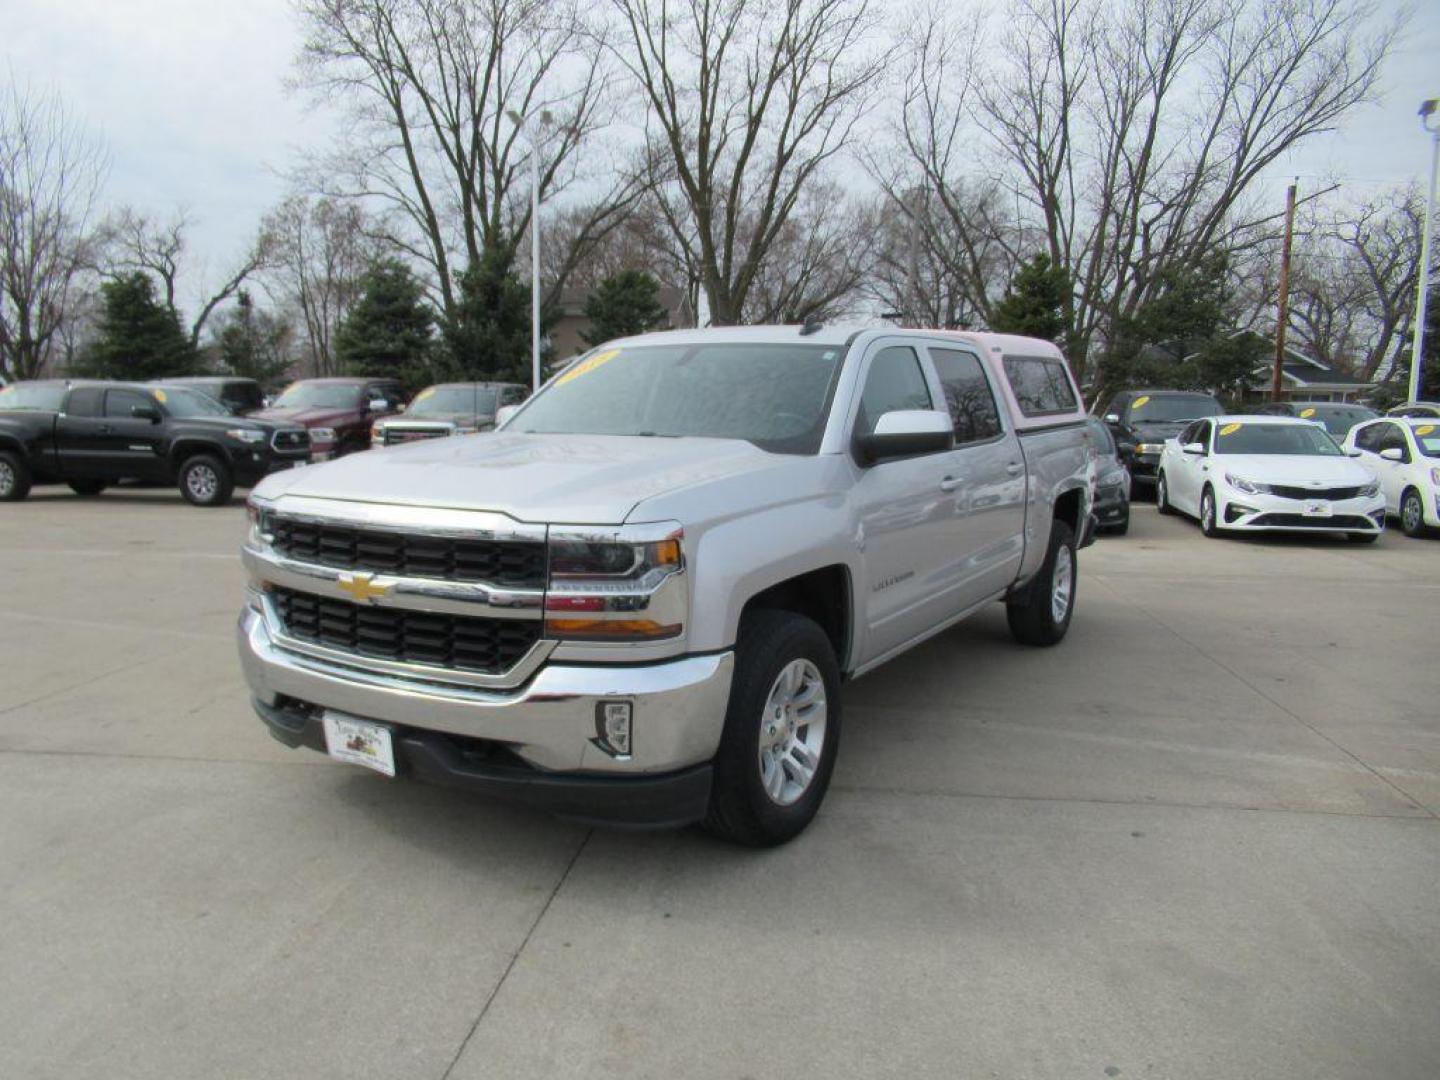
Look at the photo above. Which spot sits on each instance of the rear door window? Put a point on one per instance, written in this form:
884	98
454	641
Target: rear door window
85	401
967	395
1041	385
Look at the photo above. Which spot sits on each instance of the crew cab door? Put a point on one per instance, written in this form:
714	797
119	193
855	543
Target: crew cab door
904	524
985	482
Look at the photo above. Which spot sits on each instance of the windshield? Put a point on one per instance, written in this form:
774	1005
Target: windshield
479	400
185	403
318	396
42	398
775	396
1252	437
1427	438
1172	407
1338	419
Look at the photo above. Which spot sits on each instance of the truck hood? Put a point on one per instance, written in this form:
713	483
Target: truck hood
566	479
310	417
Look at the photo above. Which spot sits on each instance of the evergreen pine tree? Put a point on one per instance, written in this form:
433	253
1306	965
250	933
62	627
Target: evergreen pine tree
1034	304
388	332
138	338
623	304
489	337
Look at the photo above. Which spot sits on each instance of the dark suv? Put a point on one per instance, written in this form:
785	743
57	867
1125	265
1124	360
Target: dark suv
338	412
1141	421
1337	417
242	397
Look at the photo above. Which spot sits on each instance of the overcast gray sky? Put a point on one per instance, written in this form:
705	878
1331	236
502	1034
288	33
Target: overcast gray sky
189	98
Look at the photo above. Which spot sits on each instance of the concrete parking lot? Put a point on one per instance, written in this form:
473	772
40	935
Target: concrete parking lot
1200	838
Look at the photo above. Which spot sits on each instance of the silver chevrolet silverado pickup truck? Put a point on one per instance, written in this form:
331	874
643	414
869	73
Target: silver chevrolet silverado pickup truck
638	601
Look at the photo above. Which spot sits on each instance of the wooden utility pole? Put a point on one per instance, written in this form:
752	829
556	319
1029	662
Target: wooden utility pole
1284	315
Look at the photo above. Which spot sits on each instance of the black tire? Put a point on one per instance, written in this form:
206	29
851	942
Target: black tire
88	487
1362	538
205	480
1162	501
15	478
1209	521
1031	612
1412	513
740	809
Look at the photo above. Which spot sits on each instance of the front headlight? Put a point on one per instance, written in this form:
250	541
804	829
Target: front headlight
246	435
377	430
322	434
1247	486
258	513
1150	448
1370	490
616	584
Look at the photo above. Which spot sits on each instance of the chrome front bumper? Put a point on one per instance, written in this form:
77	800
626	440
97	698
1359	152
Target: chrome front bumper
549	722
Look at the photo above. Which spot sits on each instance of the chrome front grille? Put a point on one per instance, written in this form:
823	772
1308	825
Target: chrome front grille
514	564
462	643
391	436
287	442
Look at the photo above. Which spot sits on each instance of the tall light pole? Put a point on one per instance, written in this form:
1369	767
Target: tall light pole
1427	113
527	125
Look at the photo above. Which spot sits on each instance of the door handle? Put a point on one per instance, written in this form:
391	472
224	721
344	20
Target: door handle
1015	468
106	429
950	483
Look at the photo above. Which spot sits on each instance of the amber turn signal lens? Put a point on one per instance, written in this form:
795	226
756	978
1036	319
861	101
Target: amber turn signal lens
610	629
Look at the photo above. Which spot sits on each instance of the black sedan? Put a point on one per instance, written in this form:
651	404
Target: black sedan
1112	481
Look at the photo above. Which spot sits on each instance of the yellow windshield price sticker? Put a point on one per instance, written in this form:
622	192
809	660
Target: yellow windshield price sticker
1229	429
1139	401
1426	430
425	394
160	396
1305	414
586	366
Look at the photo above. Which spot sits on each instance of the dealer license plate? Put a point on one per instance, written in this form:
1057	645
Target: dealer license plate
1317	508
359	742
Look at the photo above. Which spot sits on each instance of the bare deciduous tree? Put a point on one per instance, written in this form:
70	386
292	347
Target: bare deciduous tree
50	176
747	102
321	249
428	86
1352	290
138	242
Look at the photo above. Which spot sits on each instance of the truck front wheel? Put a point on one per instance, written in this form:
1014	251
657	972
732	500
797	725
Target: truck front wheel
14	477
782	731
1040	613
206	481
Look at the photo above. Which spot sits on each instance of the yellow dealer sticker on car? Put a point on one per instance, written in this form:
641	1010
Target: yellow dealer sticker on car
1139	401
1426	430
1229	429
586	366
160	396
1305	414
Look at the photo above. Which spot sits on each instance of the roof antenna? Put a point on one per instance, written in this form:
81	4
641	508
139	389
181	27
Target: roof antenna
812	325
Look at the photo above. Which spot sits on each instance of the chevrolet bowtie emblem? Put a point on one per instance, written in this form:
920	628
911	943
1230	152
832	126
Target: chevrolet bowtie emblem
362	587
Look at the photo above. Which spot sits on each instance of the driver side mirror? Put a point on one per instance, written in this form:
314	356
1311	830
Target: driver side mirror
145	412
1393	453
377	404
504	413
1112	418
905	433
1193	448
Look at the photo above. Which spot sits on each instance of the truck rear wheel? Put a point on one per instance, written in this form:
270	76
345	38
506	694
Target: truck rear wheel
1040	613
782	731
14	477
205	480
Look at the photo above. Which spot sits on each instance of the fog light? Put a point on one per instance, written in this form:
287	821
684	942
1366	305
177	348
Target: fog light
612	726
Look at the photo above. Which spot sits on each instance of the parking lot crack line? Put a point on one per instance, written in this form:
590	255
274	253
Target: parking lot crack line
495	991
91	624
1278	704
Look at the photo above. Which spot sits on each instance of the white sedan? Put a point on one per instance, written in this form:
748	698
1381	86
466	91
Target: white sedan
1404	456
1266	474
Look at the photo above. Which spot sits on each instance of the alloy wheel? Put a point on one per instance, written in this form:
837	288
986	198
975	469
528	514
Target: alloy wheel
202	483
792	732
7	478
1062	583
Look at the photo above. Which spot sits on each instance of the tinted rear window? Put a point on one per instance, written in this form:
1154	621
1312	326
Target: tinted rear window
1041	385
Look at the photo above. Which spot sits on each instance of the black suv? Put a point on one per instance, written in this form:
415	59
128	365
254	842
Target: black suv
91	434
1141	421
